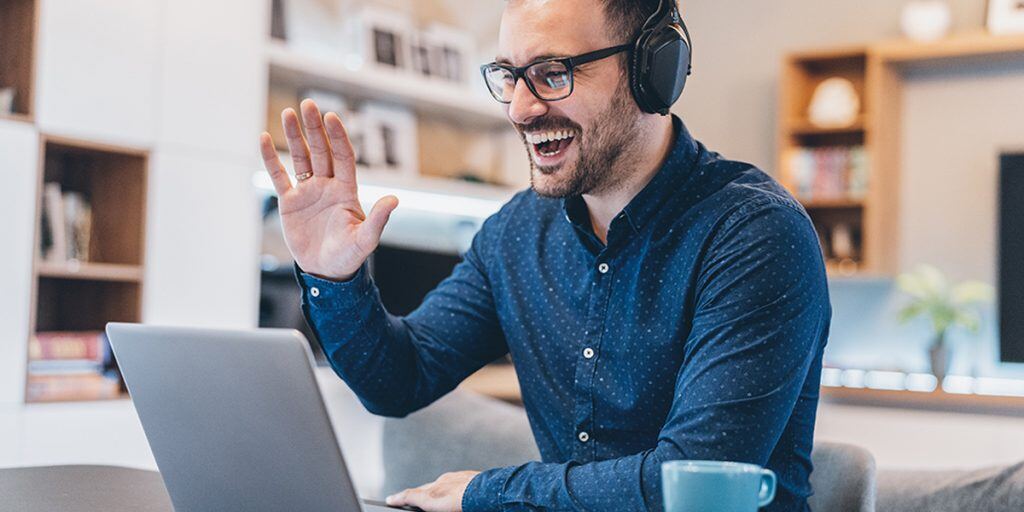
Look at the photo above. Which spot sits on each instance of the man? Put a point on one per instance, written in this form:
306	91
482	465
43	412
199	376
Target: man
659	301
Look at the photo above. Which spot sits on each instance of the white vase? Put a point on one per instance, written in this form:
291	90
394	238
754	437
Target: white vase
927	20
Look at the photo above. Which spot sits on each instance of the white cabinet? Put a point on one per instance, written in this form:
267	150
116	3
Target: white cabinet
202	242
19	162
97	75
214	75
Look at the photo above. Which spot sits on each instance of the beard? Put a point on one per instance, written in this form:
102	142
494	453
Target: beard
609	140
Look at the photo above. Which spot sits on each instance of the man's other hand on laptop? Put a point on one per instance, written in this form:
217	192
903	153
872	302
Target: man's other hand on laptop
441	495
325	227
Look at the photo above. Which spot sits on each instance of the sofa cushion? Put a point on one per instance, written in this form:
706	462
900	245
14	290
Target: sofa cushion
997	489
462	431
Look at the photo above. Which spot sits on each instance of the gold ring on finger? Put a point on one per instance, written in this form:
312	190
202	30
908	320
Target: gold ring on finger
304	176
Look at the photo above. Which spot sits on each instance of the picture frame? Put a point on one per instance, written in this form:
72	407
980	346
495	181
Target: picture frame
451	53
1005	16
391	141
382	38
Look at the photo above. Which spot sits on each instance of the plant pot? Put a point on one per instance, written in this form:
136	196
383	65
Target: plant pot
940	357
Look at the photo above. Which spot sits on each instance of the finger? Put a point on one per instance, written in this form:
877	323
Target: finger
341	149
319	148
398	499
278	174
371	229
296	142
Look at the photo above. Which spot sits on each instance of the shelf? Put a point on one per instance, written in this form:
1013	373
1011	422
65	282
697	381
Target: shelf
90	271
967	45
500	381
460	104
926	400
496	381
18	118
832	204
803	127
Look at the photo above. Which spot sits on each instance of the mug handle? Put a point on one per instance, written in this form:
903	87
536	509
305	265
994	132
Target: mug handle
767	493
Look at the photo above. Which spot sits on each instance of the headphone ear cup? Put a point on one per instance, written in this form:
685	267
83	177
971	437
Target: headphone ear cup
638	72
658	69
668	60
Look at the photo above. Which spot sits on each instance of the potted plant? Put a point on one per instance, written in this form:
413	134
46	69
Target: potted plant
945	305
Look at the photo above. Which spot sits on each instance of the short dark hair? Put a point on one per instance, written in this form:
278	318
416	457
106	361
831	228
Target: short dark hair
626	17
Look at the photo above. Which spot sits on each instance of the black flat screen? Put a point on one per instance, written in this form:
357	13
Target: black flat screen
1011	258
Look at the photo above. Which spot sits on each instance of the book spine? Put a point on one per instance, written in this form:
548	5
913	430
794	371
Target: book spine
67	345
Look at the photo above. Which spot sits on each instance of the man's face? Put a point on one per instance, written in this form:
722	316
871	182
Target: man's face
600	116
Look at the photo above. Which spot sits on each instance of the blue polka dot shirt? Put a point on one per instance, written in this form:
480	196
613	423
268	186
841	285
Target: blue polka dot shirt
696	333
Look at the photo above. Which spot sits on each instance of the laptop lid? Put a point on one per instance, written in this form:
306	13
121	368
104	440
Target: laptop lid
235	419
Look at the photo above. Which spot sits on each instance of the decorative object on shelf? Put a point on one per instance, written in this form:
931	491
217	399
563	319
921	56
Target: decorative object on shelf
945	305
277	20
381	37
327	101
835	104
391	140
7	100
313	26
450	50
1006	16
926	20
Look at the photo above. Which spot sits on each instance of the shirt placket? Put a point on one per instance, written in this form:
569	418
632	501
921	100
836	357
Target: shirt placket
588	353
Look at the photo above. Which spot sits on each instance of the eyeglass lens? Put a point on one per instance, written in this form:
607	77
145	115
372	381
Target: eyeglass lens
550	80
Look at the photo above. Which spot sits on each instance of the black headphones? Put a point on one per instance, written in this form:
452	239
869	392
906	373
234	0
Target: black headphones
662	51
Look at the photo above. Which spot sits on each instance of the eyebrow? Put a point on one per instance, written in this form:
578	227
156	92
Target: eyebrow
538	58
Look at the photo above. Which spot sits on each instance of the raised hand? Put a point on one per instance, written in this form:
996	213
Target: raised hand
324	225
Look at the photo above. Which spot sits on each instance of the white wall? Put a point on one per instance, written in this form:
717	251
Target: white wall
19	155
921	440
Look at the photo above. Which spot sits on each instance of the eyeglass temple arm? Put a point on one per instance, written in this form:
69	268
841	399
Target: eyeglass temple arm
598	55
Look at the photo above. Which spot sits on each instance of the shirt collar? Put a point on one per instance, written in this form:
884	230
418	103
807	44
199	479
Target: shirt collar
664	184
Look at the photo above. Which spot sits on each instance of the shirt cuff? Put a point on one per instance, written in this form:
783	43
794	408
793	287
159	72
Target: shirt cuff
484	492
332	295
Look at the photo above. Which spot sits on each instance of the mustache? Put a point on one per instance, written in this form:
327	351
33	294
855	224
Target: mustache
548	124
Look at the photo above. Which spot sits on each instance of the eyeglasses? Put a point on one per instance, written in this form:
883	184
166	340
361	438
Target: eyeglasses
548	79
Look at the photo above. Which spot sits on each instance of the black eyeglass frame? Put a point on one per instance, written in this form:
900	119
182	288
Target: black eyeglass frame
570	64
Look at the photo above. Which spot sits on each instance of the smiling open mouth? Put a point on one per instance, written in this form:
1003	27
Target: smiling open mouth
551	144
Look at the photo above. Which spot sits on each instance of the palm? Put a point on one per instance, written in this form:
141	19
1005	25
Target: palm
325	227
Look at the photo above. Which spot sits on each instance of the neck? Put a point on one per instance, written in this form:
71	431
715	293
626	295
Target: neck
650	156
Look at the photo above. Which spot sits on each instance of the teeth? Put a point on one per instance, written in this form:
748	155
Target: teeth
542	137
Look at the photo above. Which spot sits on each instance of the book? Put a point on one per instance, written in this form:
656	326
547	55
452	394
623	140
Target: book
84	386
826	173
53	205
61	345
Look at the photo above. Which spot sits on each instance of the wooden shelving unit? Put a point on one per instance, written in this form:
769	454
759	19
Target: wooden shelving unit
17	54
104	285
801	75
876	71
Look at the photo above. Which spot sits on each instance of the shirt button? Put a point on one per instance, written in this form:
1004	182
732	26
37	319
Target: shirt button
584	437
588	352
603	268
314	291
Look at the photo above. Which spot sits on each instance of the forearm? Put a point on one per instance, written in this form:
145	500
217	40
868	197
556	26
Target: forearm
374	352
630	483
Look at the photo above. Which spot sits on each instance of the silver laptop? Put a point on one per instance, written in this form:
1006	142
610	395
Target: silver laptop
235	419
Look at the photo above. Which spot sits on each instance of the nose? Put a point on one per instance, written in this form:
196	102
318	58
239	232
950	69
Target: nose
525	106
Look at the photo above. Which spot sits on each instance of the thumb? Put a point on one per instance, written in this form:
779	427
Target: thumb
378	218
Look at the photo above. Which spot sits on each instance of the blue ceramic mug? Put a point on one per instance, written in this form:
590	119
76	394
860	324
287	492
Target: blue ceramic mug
713	486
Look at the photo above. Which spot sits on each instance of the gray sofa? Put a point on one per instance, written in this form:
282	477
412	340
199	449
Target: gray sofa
465	431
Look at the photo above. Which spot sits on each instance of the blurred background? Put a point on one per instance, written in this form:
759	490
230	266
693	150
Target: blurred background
134	192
